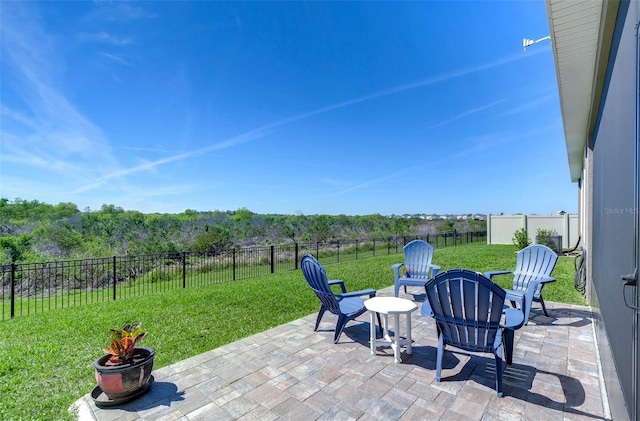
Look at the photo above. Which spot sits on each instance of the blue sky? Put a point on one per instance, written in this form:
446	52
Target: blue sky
294	107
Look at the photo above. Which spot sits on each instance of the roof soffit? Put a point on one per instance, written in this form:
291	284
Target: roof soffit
575	28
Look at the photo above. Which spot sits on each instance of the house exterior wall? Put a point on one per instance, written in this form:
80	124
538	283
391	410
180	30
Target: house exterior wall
610	176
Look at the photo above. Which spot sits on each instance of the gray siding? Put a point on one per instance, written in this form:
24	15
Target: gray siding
613	224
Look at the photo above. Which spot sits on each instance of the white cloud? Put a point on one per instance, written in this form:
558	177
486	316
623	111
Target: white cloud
121	11
104	38
50	132
531	104
115	58
466	114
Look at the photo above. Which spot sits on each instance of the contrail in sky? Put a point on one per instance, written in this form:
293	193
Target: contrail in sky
264	130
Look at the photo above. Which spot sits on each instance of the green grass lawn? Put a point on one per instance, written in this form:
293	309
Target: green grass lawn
46	360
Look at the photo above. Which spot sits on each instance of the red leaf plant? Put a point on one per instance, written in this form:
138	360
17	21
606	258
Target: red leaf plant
123	343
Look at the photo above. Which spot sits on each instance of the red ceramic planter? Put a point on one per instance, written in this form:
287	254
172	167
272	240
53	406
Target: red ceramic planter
121	381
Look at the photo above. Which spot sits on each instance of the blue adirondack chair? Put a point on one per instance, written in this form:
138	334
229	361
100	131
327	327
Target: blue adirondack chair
417	262
470	315
346	305
534	264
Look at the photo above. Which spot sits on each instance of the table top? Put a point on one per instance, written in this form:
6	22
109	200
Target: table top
390	305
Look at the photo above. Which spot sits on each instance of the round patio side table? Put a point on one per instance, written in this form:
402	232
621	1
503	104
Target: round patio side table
394	306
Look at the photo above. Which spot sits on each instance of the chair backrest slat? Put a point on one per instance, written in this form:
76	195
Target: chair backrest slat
418	255
533	262
316	277
467	308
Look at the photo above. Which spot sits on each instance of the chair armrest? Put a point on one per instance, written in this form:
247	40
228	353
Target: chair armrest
535	286
426	309
513	318
370	292
545	280
540	280
396	271
513	295
435	269
338	282
493	273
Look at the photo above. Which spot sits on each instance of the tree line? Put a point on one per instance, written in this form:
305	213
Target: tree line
35	231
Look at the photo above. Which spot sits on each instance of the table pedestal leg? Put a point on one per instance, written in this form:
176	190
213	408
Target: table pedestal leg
396	340
383	306
409	346
372	333
385	326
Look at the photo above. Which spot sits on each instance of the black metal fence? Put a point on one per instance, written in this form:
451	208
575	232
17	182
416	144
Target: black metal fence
29	288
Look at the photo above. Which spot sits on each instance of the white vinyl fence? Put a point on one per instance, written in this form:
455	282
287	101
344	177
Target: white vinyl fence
501	228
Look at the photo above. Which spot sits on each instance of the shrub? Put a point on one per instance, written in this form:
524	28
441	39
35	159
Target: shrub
521	238
543	236
157	276
213	240
447	226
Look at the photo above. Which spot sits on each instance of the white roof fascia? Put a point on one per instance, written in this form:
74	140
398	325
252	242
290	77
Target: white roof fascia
575	28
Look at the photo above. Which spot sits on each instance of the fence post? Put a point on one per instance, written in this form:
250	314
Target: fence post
234	263
273	262
184	269
566	235
356	249
13	289
339	252
374	247
318	251
455	237
114	278
295	265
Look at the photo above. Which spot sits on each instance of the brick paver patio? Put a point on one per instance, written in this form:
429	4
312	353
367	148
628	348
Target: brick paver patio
293	373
